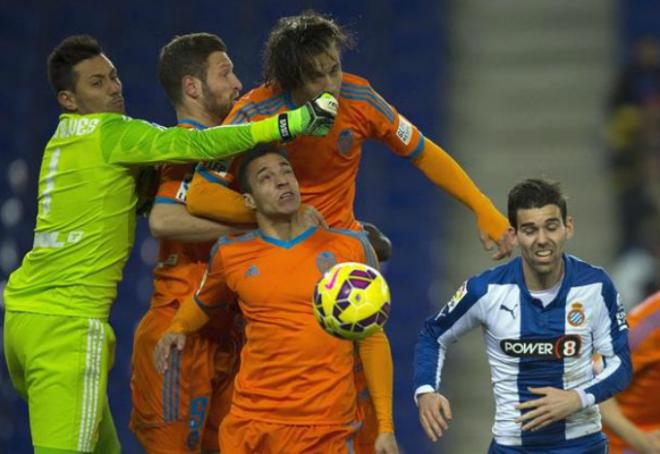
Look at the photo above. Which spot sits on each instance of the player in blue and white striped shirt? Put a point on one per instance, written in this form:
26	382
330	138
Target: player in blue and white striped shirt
543	316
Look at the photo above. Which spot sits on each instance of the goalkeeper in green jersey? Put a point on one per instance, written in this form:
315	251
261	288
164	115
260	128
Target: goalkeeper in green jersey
58	343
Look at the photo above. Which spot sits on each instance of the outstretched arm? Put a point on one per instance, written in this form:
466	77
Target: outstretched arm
614	419
445	172
128	141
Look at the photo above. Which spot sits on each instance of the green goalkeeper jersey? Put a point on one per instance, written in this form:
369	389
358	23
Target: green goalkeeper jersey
86	217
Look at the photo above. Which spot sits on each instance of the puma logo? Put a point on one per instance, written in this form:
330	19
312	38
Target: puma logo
509	310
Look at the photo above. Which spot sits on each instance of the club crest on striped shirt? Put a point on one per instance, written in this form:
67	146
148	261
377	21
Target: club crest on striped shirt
576	315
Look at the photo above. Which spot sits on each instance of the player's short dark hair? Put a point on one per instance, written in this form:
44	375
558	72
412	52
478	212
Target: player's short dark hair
186	55
534	193
249	156
293	44
71	51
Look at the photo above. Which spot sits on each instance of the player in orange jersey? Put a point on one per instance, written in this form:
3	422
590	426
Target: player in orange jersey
632	418
295	390
303	58
181	411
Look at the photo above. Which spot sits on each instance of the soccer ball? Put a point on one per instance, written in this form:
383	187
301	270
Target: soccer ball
351	301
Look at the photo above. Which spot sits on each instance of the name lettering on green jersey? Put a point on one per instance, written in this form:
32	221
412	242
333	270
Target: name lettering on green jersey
76	127
56	239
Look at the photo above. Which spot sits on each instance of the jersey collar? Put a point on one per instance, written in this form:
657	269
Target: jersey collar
287	244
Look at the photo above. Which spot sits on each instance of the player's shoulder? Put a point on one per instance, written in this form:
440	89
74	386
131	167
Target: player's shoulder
228	242
584	273
262	101
350	79
358	94
504	274
357	235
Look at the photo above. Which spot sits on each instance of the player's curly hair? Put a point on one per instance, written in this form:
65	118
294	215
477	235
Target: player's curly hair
71	51
535	193
186	55
293	44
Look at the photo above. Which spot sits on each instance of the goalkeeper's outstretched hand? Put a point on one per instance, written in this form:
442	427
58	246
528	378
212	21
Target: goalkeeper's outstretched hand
314	118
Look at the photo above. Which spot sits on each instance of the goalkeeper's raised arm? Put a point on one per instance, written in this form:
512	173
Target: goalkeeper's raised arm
129	141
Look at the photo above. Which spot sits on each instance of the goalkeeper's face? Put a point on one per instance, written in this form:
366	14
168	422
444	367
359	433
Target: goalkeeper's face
324	73
274	191
97	88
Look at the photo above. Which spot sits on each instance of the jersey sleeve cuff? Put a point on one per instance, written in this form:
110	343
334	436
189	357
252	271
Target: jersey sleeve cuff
424	389
587	399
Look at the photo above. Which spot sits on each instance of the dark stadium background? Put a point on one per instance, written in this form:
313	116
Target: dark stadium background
402	49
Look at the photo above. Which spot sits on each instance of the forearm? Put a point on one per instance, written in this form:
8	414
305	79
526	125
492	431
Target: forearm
189	318
445	172
614	378
429	359
173	222
614	419
216	202
130	141
377	362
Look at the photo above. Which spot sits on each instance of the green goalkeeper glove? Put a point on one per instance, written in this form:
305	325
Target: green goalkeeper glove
314	118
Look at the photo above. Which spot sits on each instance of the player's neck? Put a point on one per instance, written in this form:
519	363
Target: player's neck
285	228
197	115
536	282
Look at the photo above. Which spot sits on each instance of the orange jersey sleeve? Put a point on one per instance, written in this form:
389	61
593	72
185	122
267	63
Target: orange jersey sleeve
213	200
640	403
445	172
213	292
173	183
180	265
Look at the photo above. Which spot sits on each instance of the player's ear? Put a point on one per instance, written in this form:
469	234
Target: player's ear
67	99
514	236
249	201
191	86
569	227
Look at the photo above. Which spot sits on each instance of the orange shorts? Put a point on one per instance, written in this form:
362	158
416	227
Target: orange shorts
246	436
181	410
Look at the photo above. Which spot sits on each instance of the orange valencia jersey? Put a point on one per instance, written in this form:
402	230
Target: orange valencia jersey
291	372
640	403
326	167
180	265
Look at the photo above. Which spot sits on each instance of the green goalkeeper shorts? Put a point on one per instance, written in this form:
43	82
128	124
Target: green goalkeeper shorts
60	366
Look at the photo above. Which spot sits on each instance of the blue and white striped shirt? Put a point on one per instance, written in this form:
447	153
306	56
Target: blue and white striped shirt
529	345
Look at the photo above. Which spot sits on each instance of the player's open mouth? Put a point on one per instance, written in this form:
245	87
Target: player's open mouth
287	195
544	255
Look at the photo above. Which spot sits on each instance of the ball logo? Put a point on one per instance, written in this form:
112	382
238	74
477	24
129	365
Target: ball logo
575	316
555	348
